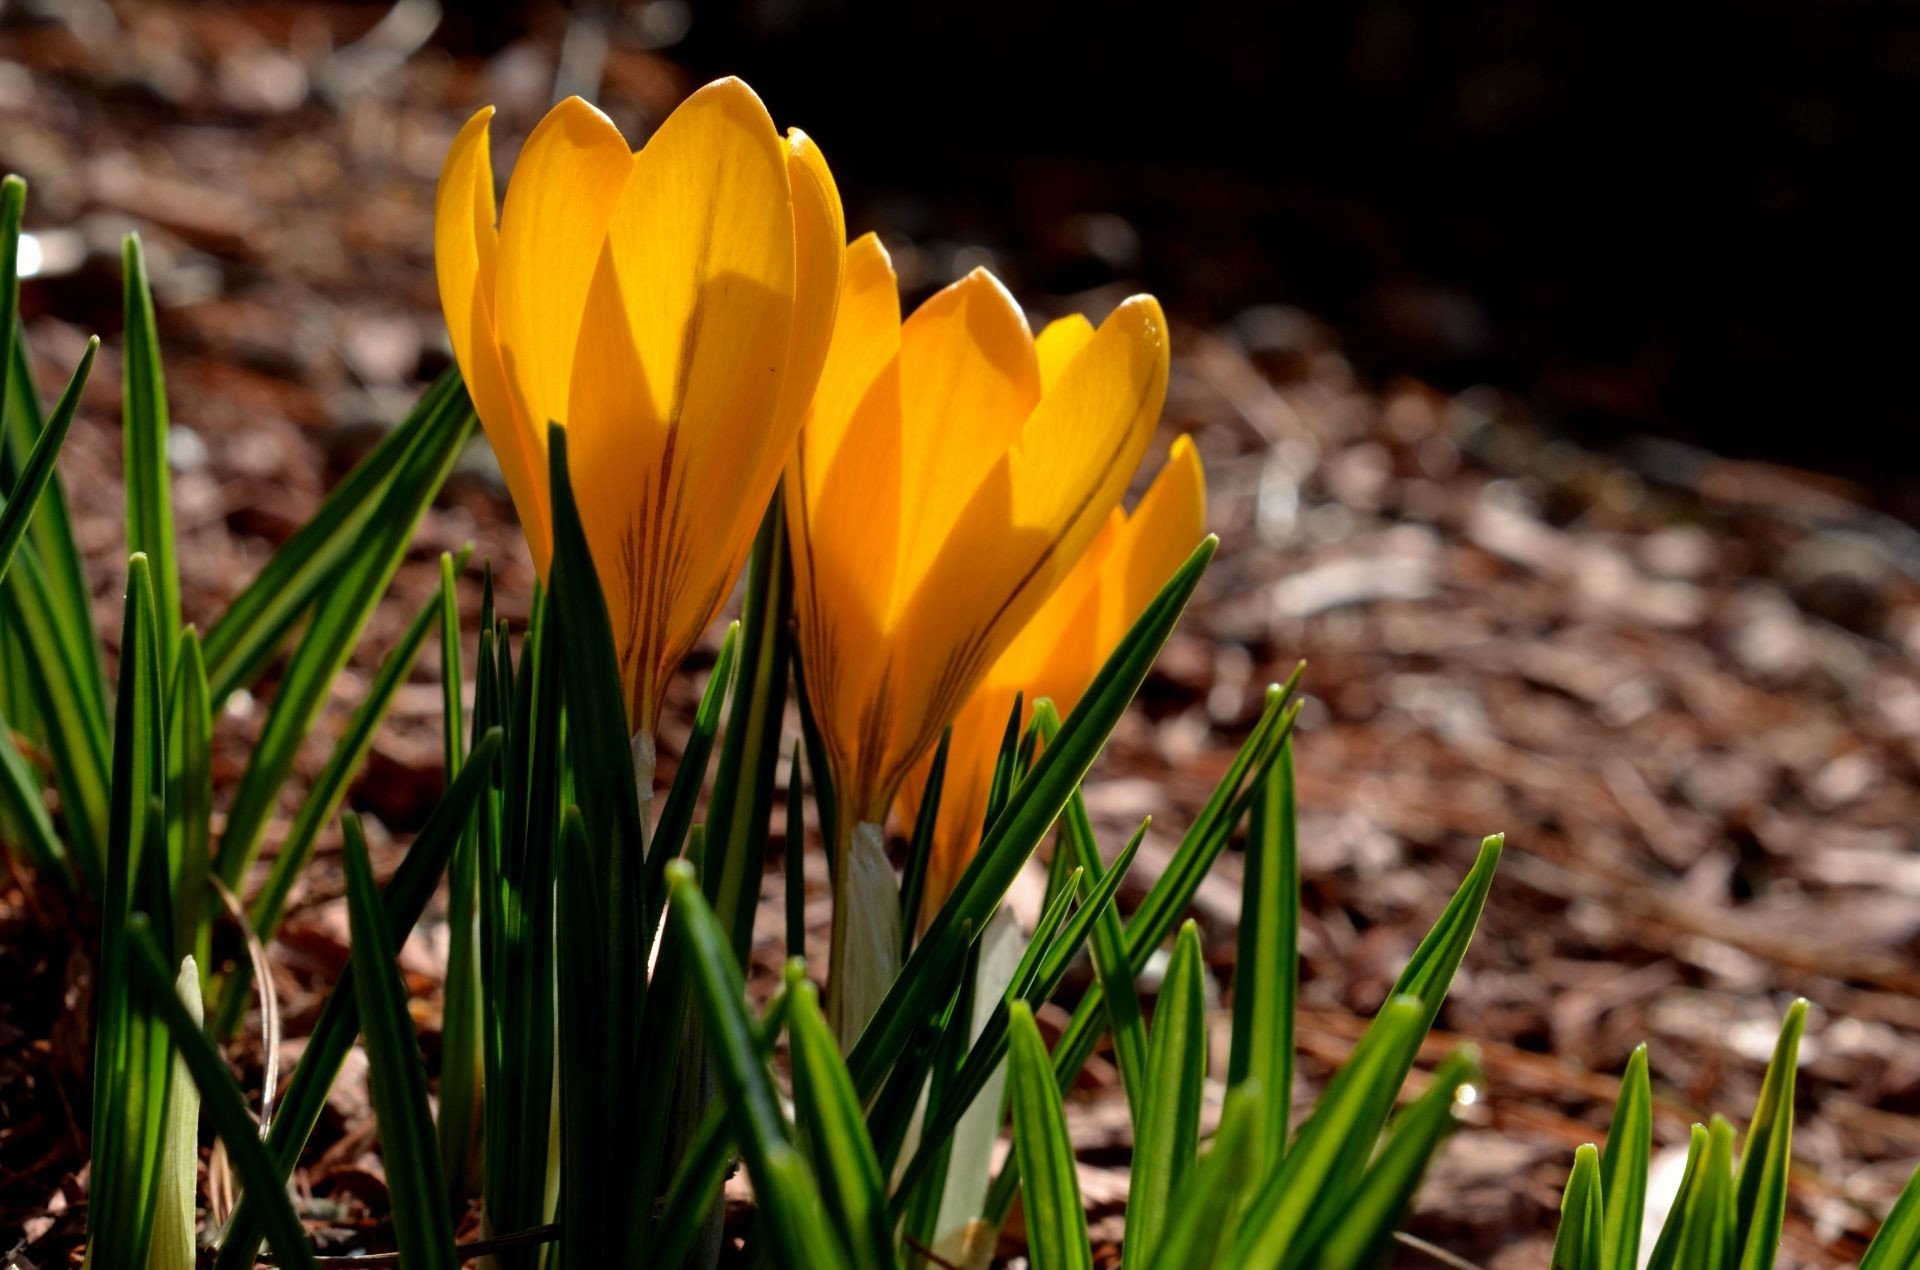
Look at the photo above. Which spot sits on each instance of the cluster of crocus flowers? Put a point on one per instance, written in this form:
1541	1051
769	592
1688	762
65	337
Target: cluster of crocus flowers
671	309
1058	652
951	471
692	316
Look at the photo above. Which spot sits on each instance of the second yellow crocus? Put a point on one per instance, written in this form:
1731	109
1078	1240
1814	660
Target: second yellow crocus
1058	652
671	308
951	469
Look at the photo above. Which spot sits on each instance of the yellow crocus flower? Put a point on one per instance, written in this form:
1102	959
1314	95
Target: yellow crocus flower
1058	652
671	309
950	471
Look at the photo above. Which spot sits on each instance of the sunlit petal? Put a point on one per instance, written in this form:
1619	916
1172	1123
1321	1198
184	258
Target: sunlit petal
465	254
682	360
564	186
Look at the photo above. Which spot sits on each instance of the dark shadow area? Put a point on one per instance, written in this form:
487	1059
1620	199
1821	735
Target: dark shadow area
1686	219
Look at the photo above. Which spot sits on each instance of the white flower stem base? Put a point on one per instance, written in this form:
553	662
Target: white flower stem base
865	955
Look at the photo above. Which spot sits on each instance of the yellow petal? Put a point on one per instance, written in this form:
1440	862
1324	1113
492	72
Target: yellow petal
1162	532
843	502
968	380
565	183
1058	343
1036	512
465	257
682	360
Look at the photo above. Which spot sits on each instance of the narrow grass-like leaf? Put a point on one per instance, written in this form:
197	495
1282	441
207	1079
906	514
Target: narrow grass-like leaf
1333	1147
415	1183
21	499
75	723
518	825
66	681
835	1135
1623	1164
794	864
702	1171
322	801
224	1106
1666	1249
38	506
1760	1209
243	640
329	641
1897	1246
1581	1241
65	592
1035	981
30	485
1200	1216
1167	900
676	812
1341	1131
1056	1219
144	423
25	812
13	208
1112	964
131	1062
1015	833
1708	1239
792	1215
460	1050
913	879
591	1226
746	782
402	900
1166	1139
602	774
819	771
190	799
1266	973
1363	1236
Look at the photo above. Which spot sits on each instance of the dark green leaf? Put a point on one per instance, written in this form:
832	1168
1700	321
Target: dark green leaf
144	423
1581	1242
676	813
415	1183
1056	1220
1266	973
792	1216
403	900
744	786
1363	1237
190	799
1200	1217
1666	1250
835	1134
1166	1139
131	1054
1623	1165
1298	1199
1761	1197
22	499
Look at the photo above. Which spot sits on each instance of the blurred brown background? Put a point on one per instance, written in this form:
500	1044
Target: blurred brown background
1541	360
